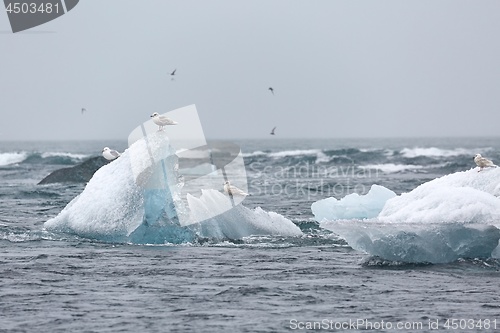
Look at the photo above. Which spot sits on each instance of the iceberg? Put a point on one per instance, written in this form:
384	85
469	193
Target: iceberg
353	206
137	198
467	196
418	243
451	217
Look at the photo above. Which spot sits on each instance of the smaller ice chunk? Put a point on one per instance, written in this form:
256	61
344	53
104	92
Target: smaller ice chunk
353	206
235	222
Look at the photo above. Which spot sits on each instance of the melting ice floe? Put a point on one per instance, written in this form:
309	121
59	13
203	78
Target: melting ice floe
454	216
123	203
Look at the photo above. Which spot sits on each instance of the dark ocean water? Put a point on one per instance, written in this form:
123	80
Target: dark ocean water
59	282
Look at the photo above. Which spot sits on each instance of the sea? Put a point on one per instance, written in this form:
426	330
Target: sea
57	282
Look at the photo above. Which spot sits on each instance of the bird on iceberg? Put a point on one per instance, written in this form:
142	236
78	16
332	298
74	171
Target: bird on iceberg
110	154
482	162
233	190
162	121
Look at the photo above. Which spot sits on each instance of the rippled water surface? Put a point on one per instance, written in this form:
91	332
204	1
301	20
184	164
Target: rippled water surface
62	283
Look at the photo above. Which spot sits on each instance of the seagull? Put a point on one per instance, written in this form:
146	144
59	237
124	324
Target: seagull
272	90
84	110
110	154
162	121
272	131
233	190
173	73
482	162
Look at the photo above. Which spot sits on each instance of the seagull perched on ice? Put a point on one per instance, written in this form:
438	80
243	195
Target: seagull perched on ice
233	190
483	162
110	154
162	121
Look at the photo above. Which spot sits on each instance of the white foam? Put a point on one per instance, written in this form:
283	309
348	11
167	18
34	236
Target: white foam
437	152
288	153
391	167
12	158
255	153
63	154
322	158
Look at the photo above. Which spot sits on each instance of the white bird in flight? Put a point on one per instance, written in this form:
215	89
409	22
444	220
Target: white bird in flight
482	162
233	190
110	154
162	121
272	131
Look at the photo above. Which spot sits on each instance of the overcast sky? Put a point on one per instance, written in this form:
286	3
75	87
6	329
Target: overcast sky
338	68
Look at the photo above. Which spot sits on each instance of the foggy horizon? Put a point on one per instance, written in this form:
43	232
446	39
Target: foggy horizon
344	69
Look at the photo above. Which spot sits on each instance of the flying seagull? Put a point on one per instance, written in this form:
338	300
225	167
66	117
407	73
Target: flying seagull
84	110
482	162
162	121
272	90
233	190
173	73
272	131
110	154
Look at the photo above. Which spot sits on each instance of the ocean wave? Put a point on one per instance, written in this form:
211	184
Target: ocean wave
255	153
438	152
391	167
292	153
12	158
63	154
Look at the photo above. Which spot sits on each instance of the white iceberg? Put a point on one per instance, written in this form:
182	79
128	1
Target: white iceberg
454	216
136	198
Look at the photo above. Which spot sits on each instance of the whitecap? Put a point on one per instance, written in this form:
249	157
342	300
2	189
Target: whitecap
289	153
437	152
64	154
12	158
391	167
